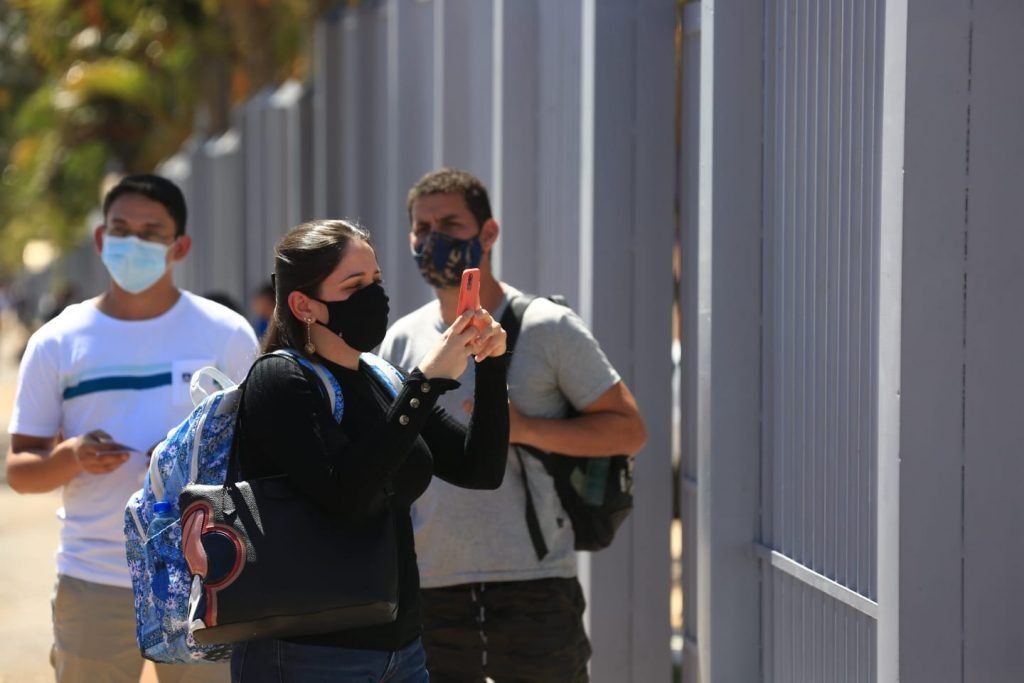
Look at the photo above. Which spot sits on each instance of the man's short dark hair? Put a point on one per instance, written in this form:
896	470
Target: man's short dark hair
159	189
454	181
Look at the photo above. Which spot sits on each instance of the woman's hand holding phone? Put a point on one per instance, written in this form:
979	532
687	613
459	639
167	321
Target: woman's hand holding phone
448	359
474	332
490	341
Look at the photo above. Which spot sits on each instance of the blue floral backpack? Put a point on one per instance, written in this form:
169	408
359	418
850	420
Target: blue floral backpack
196	451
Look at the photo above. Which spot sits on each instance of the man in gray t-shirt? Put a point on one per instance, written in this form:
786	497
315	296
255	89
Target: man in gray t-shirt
491	608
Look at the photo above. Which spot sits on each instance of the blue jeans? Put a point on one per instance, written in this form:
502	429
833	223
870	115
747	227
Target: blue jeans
278	661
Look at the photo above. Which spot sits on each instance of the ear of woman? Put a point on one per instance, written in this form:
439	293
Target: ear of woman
302	307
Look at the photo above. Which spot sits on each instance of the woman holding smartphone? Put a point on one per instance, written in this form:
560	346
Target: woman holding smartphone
331	306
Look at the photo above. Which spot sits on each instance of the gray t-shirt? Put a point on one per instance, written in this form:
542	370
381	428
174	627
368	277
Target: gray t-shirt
465	536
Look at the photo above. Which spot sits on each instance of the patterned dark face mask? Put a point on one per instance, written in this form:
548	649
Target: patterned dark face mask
441	259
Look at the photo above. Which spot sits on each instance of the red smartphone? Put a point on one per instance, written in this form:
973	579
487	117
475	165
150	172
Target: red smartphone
469	295
469	292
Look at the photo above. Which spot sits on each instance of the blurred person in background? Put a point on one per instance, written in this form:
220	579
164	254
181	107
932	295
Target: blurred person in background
261	306
99	386
224	299
52	305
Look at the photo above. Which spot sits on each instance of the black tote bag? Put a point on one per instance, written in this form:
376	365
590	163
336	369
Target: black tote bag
267	563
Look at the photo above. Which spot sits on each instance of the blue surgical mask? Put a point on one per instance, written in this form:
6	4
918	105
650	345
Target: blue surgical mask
442	258
135	264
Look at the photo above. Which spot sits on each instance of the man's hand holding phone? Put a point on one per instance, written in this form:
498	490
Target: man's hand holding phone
98	453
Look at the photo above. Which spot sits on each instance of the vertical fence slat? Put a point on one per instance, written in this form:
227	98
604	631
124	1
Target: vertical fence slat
994	506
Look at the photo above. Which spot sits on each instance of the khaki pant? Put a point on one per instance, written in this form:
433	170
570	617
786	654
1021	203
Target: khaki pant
94	639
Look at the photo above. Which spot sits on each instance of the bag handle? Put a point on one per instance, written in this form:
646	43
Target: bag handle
198	392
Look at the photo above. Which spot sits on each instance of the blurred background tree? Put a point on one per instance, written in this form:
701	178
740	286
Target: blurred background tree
89	87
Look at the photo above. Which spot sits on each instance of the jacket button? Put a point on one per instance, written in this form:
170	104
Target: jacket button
414	403
403	420
425	387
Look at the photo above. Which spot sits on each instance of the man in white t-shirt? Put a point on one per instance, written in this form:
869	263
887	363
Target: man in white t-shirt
495	604
99	386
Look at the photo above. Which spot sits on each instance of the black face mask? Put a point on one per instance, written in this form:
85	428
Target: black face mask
362	319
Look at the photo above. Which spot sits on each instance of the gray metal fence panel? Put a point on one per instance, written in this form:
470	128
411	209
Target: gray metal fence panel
934	234
690	110
891	127
993	504
465	91
558	140
309	180
605	208
821	262
200	200
178	169
627	188
650	346
412	133
361	55
372	187
818	640
258	255
225	223
286	170
823	87
515	186
373	23
728	337
329	103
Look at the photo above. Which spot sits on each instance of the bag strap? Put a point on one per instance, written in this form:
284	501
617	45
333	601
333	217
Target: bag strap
512	318
512	321
329	386
388	375
540	546
328	383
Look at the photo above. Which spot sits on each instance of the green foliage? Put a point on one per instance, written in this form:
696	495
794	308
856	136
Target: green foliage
92	87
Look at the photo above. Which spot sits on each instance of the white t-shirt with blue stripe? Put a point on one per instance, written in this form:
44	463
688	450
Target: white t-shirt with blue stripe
83	371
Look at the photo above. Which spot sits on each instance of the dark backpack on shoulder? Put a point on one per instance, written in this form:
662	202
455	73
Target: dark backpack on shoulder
596	492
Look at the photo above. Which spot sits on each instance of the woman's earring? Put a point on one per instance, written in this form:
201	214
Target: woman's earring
310	348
